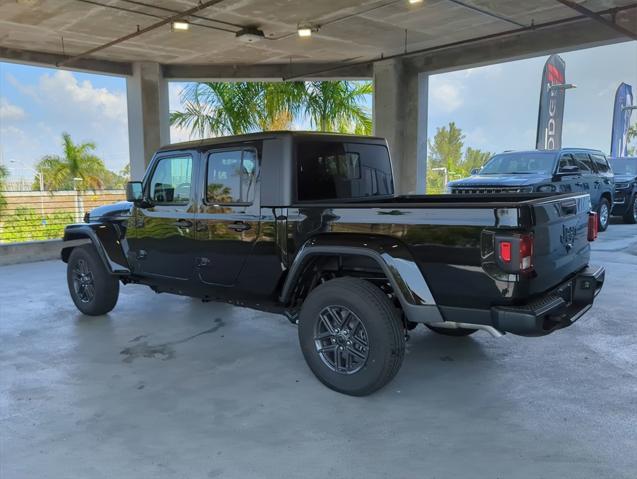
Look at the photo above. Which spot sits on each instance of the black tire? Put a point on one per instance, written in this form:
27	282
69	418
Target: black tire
630	217
368	317
603	218
452	331
93	289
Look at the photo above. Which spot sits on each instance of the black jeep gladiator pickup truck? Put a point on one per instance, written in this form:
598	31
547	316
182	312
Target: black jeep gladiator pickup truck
308	225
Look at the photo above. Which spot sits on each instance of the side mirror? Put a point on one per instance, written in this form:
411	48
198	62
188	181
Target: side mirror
569	170
134	191
474	171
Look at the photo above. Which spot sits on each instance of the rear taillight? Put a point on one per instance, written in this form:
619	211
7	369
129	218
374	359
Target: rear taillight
526	253
505	251
593	226
515	253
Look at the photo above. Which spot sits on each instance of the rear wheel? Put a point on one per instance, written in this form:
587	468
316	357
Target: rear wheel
351	336
630	216
603	214
451	331
93	289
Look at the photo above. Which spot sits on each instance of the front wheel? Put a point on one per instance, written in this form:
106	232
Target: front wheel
630	217
93	289
603	214
351	336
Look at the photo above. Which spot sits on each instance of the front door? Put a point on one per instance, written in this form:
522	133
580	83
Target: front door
228	221
161	234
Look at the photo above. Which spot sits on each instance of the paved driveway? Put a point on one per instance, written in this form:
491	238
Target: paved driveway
170	387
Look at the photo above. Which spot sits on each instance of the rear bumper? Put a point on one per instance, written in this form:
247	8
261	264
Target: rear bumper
556	309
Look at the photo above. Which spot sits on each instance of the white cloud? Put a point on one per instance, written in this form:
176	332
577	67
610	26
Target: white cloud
447	96
10	112
63	88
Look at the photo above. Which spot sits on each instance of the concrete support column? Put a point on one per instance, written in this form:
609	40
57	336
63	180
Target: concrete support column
148	122
400	115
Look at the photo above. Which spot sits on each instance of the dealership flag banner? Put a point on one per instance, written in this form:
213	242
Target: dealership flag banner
551	111
621	121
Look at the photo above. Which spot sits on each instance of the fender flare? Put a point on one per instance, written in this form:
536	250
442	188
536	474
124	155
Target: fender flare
392	256
106	240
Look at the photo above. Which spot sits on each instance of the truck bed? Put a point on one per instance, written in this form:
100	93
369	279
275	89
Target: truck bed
445	234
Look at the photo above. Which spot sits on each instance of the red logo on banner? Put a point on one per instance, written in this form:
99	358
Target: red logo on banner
555	76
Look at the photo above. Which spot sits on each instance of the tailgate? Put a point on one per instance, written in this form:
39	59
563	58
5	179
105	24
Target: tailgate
561	247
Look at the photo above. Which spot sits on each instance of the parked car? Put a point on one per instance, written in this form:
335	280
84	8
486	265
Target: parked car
308	225
569	170
625	198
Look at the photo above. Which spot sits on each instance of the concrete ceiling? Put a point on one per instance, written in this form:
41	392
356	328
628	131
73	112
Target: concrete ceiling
351	31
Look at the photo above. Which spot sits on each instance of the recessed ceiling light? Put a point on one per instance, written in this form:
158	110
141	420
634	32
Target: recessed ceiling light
306	30
413	2
180	26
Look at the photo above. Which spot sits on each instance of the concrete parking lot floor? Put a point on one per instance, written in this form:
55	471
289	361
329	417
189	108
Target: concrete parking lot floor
170	387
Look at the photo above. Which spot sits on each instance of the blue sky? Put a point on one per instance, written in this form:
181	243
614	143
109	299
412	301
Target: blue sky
496	105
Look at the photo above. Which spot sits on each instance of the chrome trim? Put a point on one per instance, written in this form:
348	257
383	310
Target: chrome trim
453	325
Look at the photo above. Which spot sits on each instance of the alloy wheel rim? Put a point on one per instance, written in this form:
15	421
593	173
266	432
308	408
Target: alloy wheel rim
83	282
603	214
635	209
341	340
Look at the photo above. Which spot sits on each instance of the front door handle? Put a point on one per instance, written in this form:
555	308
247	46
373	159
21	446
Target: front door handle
239	226
183	224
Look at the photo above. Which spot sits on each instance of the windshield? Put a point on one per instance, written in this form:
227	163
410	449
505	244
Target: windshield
520	163
624	166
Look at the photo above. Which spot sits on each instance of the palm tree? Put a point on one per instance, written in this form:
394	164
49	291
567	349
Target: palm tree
77	162
338	106
215	109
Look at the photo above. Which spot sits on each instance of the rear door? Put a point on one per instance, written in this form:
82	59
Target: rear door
589	181
605	180
228	220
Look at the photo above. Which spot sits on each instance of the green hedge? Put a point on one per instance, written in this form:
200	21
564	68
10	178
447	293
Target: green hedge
25	224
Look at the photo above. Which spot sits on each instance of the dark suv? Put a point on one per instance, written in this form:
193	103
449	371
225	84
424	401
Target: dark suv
569	170
625	198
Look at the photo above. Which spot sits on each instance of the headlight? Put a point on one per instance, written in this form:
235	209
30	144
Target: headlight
546	188
621	186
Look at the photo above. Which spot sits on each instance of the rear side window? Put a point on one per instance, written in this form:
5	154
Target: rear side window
231	176
331	170
601	163
583	162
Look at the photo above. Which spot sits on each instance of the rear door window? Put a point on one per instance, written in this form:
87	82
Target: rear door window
601	163
332	170
231	176
583	162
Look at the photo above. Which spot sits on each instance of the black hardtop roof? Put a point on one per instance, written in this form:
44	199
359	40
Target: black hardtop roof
208	142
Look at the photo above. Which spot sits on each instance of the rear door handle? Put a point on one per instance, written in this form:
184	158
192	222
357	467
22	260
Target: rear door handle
239	226
183	224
